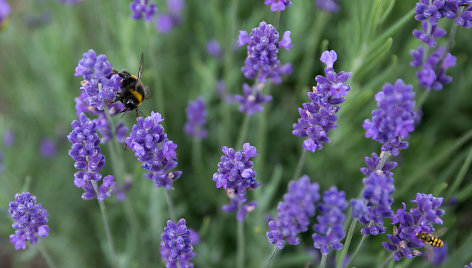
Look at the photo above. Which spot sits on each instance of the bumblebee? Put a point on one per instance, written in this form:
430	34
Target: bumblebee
132	92
430	239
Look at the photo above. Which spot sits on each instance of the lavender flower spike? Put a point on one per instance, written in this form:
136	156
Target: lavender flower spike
142	9
277	4
294	213
4	11
86	152
318	116
262	47
30	220
176	245
394	119
154	150
93	68
252	100
328	5
329	230
196	119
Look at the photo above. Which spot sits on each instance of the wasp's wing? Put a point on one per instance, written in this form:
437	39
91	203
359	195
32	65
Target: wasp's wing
147	92
439	232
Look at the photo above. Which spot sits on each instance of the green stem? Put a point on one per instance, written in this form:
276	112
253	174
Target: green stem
271	257
240	249
277	19
170	206
243	131
323	260
196	153
46	256
359	246
347	243
387	261
422	99
103	211
450	41
384	155
300	164
460	176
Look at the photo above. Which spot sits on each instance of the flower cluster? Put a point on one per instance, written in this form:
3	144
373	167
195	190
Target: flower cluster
328	5
404	242
236	175
154	150
4	11
196	118
329	230
262	47
394	119
86	152
176	245
94	69
318	116
166	22
252	100
293	215
142	8
277	4
30	220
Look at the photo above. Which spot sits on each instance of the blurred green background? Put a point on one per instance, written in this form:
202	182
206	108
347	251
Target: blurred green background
44	40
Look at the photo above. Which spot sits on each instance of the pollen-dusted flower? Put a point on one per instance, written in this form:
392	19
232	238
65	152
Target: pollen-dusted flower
236	175
154	150
142	8
318	116
328	5
252	100
93	68
293	215
329	230
394	119
86	152
404	242
196	119
4	11
176	245
277	4
262	47
30	220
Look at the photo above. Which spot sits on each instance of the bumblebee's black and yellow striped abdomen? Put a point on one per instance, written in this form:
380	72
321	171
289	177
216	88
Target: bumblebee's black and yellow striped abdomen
430	239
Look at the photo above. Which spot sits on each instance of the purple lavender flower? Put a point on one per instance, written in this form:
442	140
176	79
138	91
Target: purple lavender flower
431	76
154	150
93	68
9	138
176	245
373	161
465	19
404	242
142	8
236	175
436	256
318	116
262	47
394	119
214	48
4	11
120	191
196	118
100	95
30	220
277	4
329	230
166	22
47	148
328	5
252	100
293	215
194	236
468	266
86	152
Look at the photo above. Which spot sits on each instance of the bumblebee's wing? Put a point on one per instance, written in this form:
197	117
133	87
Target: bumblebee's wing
140	72
439	232
147	92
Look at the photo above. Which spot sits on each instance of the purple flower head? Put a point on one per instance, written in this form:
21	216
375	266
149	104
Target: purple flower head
262	47
9	138
176	245
293	215
93	68
4	11
236	175
70	2
328	5
154	150
431	76
30	220
277	4
394	119
99	95
465	19
194	236
214	48
317	117
329	230
86	152
166	22
120	191
142	8
196	118
47	148
252	100
404	242
468	265
105	130
436	256
373	161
